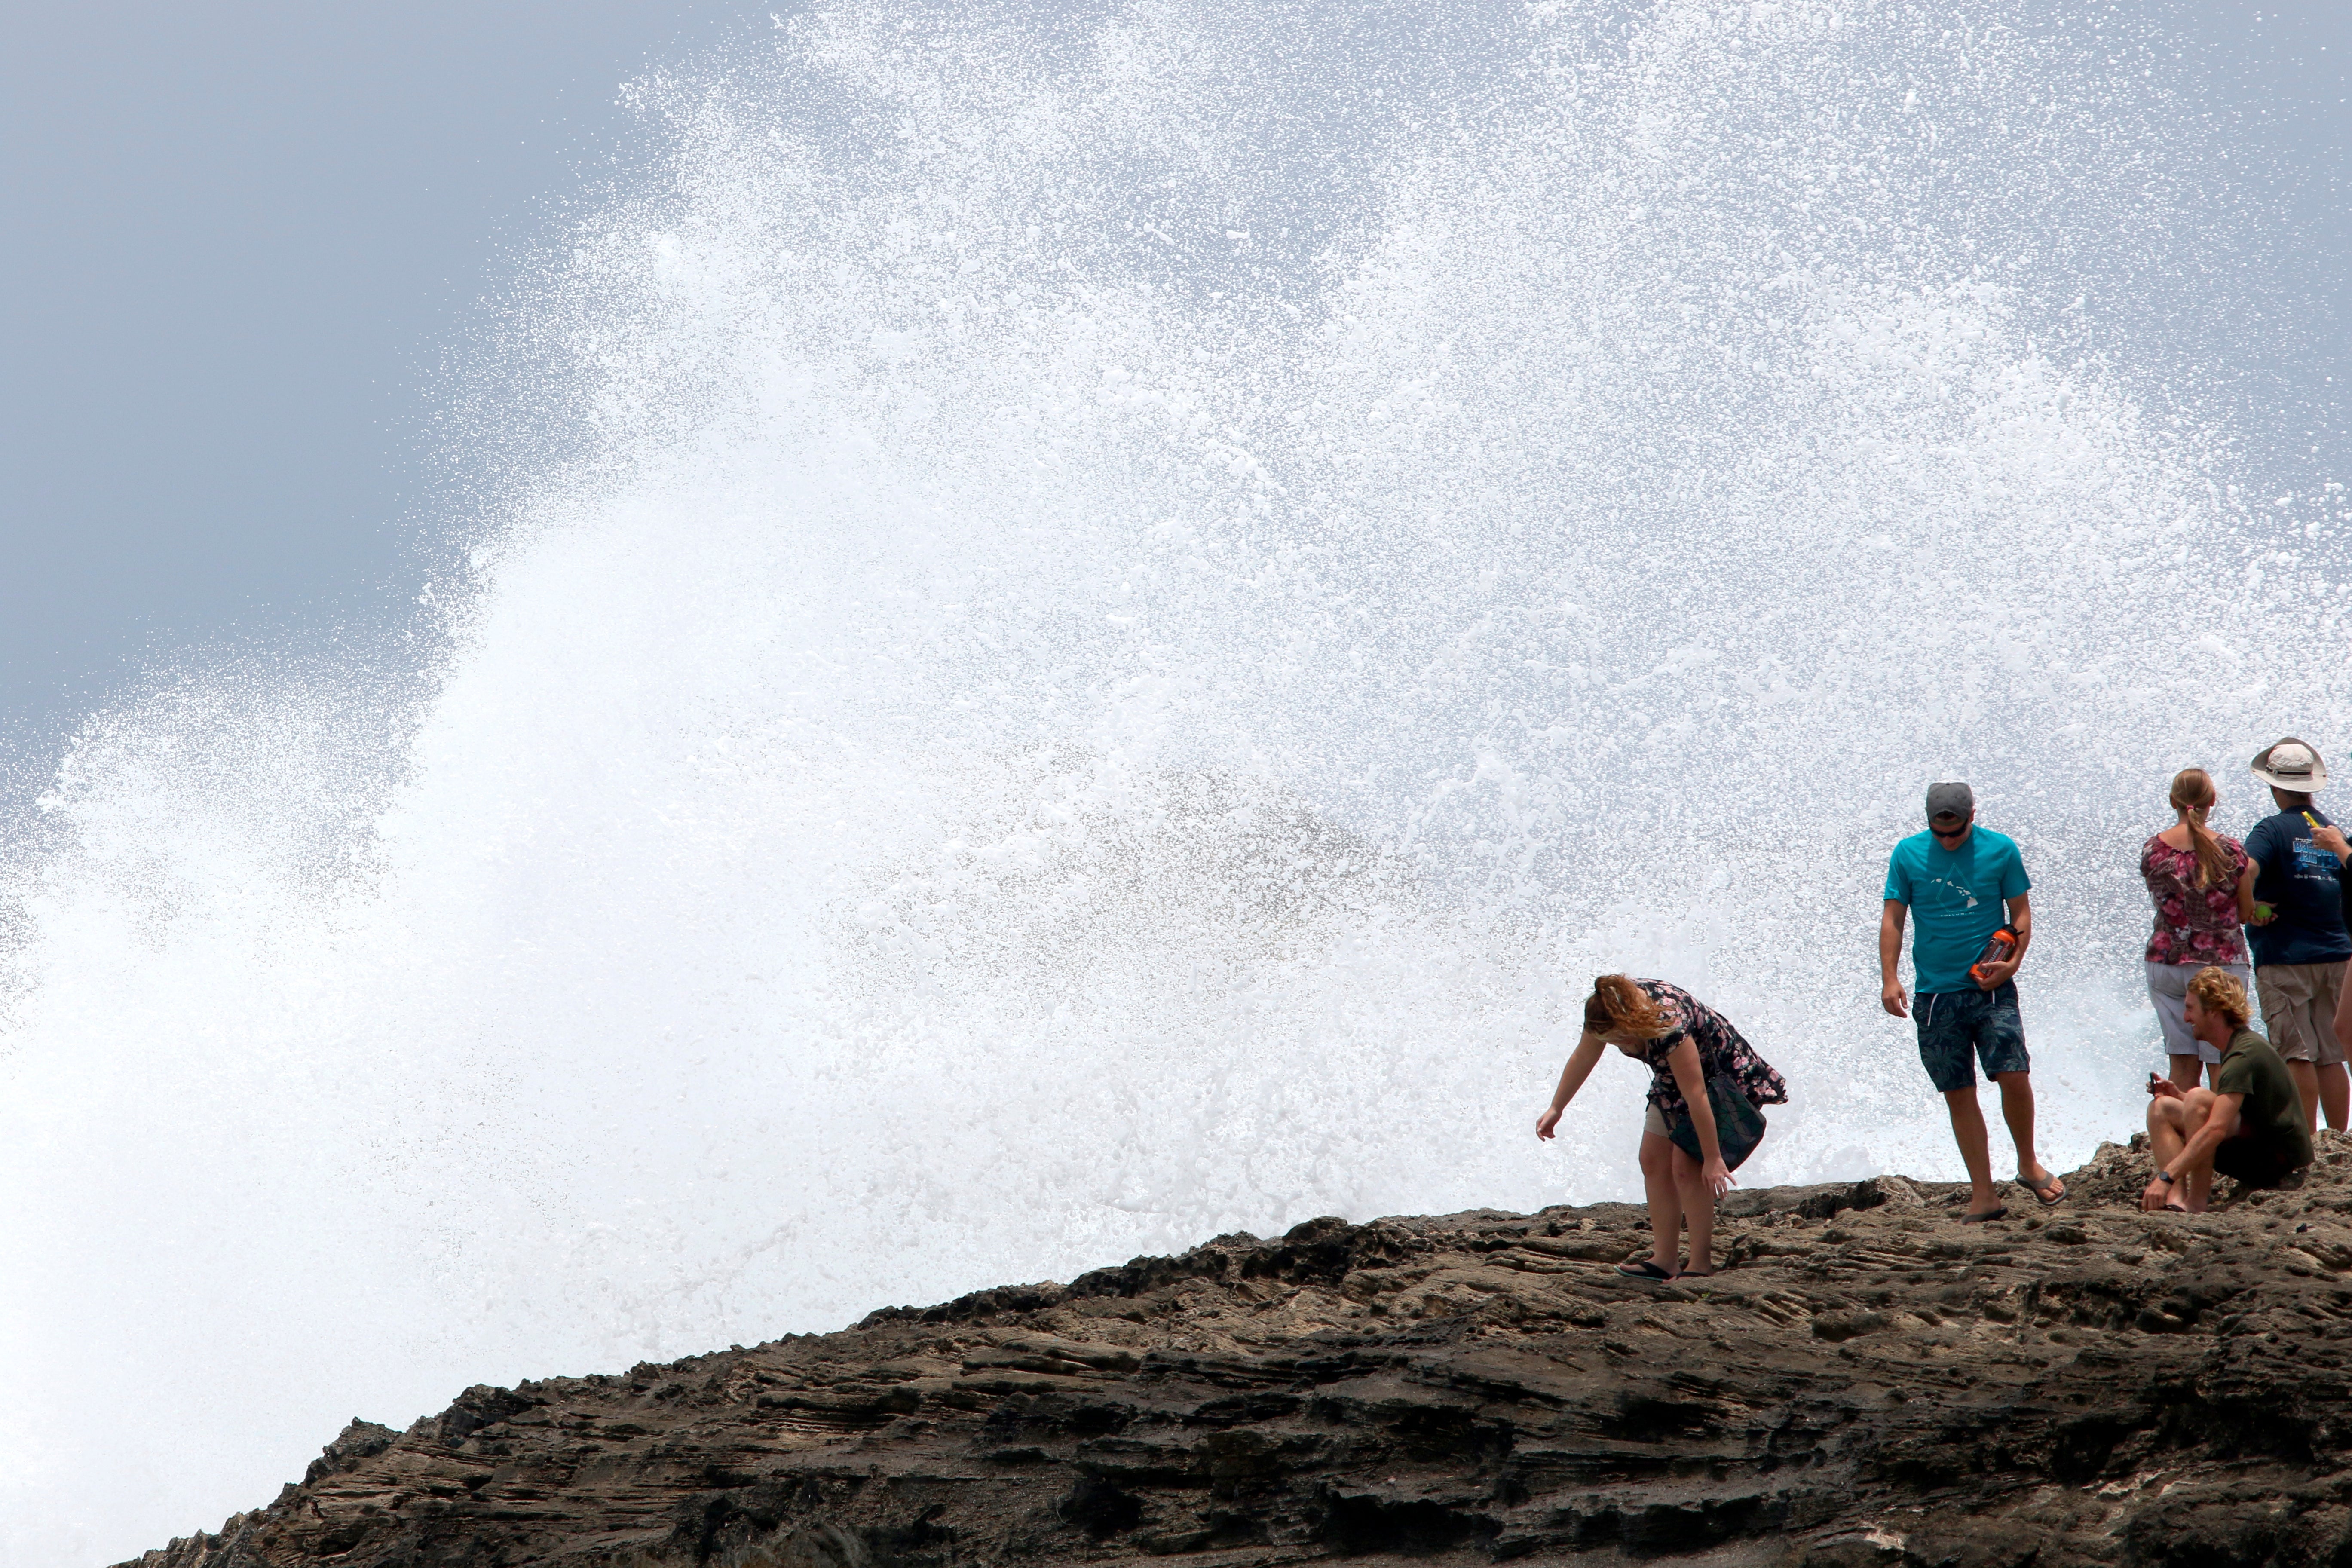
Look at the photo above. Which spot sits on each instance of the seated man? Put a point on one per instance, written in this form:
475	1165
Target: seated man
2249	1126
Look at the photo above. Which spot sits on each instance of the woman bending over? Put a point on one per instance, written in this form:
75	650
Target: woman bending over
1699	1068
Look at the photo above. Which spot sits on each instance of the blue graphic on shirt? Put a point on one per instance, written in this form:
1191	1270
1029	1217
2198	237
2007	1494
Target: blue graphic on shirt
1957	897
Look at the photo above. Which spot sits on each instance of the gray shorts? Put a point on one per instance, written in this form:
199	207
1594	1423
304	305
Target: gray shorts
2167	987
1655	1121
2299	1009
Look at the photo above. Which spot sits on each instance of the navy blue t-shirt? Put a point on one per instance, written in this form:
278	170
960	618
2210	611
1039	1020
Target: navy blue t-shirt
2301	881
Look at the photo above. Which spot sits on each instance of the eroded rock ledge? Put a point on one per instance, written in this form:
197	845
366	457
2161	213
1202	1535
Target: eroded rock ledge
1869	1383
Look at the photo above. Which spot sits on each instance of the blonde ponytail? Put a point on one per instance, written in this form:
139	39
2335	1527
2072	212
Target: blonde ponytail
2192	796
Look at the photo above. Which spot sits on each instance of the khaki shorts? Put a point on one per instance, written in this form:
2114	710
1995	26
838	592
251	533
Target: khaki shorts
1655	1121
2299	1009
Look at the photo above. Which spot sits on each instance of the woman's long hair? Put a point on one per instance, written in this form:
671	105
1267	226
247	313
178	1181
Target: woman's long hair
1617	1003
2192	796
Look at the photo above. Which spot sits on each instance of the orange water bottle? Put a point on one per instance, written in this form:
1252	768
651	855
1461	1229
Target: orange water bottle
1997	949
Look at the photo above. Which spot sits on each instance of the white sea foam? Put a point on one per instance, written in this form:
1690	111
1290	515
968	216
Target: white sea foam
1098	631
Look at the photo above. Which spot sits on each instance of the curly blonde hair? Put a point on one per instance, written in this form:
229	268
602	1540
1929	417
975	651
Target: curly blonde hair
2219	991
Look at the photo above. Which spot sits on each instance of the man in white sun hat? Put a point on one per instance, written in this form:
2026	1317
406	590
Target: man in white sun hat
2301	948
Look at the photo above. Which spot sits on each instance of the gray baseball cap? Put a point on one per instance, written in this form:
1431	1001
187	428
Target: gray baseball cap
1950	800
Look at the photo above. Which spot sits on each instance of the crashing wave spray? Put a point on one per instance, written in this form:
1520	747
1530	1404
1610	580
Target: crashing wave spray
1098	630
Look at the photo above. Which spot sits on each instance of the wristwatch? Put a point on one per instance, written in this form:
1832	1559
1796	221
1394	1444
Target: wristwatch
2164	1176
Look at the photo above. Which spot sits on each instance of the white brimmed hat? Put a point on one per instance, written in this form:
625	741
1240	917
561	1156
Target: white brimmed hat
2292	766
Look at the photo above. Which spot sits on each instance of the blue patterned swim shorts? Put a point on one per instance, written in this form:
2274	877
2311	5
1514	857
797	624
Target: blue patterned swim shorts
1955	1024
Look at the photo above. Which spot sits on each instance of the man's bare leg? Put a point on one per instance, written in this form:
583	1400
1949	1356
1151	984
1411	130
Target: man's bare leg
2171	1123
2167	1137
2335	1094
1665	1201
2306	1089
1698	1213
2017	1109
2198	1186
2185	1072
1968	1131
2334	1087
2343	1003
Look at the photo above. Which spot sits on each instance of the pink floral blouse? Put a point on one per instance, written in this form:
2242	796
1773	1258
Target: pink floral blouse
2193	925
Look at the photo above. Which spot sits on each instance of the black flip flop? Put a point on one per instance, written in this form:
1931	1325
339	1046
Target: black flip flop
2175	1208
2001	1213
2053	1185
1644	1269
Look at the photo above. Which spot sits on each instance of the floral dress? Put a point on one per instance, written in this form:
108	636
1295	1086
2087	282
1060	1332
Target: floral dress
1720	1051
2193	925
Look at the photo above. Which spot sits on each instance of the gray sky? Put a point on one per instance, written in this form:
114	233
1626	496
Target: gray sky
240	236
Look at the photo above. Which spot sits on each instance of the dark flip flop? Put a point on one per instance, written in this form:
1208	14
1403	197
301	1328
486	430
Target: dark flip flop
1643	1270
2001	1213
2175	1208
2050	1193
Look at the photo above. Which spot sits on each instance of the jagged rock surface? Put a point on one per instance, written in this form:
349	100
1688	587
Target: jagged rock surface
1868	1382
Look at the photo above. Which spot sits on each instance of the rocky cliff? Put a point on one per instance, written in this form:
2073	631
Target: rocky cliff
1868	1381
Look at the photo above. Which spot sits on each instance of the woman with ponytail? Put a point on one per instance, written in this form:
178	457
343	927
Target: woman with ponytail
1705	1083
2202	884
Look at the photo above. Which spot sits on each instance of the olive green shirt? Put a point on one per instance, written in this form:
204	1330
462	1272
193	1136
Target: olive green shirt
2271	1110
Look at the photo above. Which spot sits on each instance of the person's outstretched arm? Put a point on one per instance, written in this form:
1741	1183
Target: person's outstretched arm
2246	892
1571	1078
1890	956
1691	1078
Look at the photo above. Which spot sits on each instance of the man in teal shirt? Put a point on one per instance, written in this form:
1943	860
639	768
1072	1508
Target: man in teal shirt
1964	883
